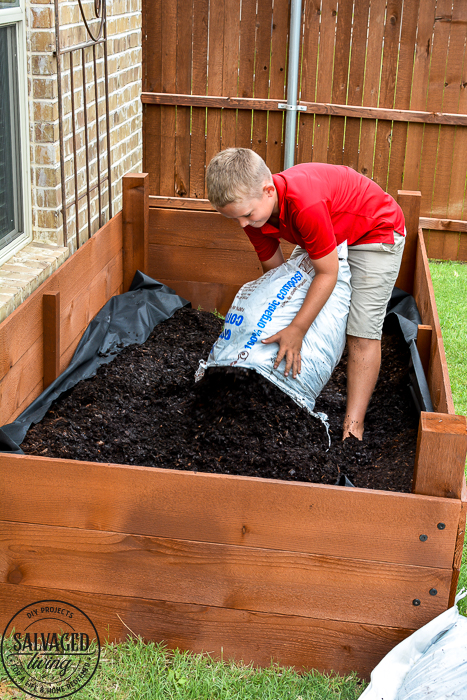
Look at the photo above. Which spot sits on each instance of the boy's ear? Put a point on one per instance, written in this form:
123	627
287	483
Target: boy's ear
269	189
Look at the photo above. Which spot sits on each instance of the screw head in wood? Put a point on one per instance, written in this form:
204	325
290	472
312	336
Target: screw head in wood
441	526
423	538
433	591
415	602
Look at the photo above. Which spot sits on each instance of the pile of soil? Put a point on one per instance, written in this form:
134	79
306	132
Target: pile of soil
144	408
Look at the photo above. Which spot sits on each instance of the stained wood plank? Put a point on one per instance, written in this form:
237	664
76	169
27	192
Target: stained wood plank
424	338
432	150
277	78
324	108
24	381
262	67
441	453
324	80
340	79
166	157
410	205
152	63
453	87
387	90
205	295
196	229
223	633
180	203
457	562
203	265
356	76
456	207
307	84
51	337
231	510
402	96
215	75
76	273
371	84
438	377
443	224
135	218
183	68
442	246
230	69
421	71
246	68
198	116
240	578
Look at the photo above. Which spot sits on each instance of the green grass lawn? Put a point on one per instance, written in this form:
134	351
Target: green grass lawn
450	285
139	671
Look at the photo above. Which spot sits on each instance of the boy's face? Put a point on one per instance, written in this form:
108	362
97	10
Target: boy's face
253	212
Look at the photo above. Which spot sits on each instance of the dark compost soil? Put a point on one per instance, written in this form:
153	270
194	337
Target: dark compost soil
145	409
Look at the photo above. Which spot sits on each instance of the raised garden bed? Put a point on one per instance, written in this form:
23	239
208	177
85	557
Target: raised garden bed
234	421
311	575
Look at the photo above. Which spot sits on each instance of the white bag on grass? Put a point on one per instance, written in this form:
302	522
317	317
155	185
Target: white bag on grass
430	664
267	305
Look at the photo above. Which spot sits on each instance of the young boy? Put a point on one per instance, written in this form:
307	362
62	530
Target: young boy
318	206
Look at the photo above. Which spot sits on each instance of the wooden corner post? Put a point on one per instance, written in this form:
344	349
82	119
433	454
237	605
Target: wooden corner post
51	336
409	202
440	456
135	225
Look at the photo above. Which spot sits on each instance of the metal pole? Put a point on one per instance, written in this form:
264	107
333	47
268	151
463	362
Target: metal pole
292	83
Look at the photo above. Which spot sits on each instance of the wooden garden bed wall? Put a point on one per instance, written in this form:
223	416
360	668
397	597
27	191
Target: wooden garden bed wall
50	323
395	109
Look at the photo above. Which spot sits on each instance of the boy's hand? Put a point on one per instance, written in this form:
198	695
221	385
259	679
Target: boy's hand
290	343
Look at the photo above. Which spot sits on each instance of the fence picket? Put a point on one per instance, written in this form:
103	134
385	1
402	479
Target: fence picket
339	81
324	82
280	30
183	86
215	75
262	67
356	75
402	100
199	85
230	73
309	54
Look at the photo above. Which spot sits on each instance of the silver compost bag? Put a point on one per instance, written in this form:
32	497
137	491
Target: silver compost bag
269	304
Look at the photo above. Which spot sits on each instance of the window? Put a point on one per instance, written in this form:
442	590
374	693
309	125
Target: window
15	224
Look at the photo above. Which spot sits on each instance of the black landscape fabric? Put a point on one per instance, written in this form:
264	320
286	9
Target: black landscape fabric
130	318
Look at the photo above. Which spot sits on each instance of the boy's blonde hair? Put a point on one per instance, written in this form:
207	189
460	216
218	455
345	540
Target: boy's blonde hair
236	174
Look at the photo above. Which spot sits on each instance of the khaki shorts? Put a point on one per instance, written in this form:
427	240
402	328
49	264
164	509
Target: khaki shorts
374	268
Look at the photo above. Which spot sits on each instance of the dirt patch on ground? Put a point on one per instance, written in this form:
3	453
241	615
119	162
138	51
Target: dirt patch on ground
145	409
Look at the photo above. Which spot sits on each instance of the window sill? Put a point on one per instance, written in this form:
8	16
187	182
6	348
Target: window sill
25	271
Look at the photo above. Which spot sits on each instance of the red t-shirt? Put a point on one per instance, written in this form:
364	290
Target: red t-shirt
322	205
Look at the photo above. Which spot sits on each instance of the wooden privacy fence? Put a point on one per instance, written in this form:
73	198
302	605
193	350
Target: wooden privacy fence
384	83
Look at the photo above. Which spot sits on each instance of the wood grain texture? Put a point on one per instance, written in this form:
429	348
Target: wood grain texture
313	107
199	84
135	226
51	335
277	80
424	343
183	81
215	76
408	40
240	635
371	84
356	78
440	457
21	334
457	562
231	22
261	84
230	510
308	68
438	376
384	132
420	79
226	576
324	79
410	205
340	80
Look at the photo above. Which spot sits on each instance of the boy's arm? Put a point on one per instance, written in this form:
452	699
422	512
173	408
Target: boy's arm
276	260
290	338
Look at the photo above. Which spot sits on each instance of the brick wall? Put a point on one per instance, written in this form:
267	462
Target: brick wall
124	87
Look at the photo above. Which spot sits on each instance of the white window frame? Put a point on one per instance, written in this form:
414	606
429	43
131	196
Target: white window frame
16	16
